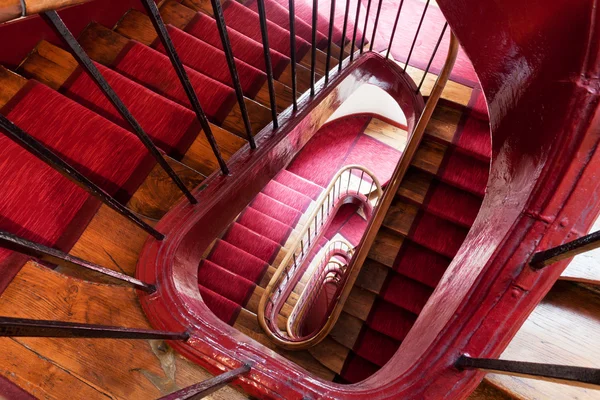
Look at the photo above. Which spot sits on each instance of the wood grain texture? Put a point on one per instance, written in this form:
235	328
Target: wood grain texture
11	84
585	268
38	6
563	329
10	9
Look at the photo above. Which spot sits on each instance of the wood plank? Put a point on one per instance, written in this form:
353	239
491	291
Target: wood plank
400	216
453	91
386	246
330	353
372	276
391	135
563	329
444	121
359	303
118	368
429	156
585	268
415	185
346	330
486	392
11	84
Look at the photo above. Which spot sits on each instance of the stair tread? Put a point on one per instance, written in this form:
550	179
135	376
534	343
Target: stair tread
237	261
276	209
265	225
225	309
287	196
224	282
251	242
299	184
375	347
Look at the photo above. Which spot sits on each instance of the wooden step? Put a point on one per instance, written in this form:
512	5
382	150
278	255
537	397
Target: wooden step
137	26
157	194
563	329
99	368
180	16
104	46
53	66
585	268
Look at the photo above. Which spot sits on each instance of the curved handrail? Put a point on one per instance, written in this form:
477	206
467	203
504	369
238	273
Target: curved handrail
287	273
15	9
307	297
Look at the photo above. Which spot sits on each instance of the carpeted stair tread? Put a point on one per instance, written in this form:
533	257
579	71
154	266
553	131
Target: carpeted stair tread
475	137
251	242
224	282
354	229
238	261
404	292
154	70
281	16
438	234
171	126
344	213
211	61
287	196
375	346
276	209
390	319
265	225
421	264
246	21
465	172
299	184
244	48
357	369
376	156
452	204
225	309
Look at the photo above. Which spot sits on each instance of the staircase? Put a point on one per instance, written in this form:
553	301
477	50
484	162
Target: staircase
432	212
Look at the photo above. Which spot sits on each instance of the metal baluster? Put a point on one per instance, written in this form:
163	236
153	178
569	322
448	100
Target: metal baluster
292	8
302	246
262	16
209	386
322	214
313	50
567	250
21	327
358	4
549	372
362	44
36	148
309	236
412	47
375	25
329	39
437	45
387	55
90	68
344	29
349	176
316	227
167	43
48	254
235	79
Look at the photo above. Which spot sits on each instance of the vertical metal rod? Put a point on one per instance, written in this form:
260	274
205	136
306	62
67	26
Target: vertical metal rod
358	4
292	7
36	148
45	253
84	60
313	50
262	16
235	79
20	327
344	29
375	25
362	44
329	39
360	181
387	55
208	387
412	47
349	177
309	236
567	250
167	43
437	45
322	214
580	376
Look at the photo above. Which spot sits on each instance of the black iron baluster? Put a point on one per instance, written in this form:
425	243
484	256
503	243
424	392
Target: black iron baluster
344	30
362	44
437	45
375	25
358	4
313	50
329	39
167	43
567	250
292	7
45	253
84	60
549	372
412	47
21	327
235	79
262	15
209	386
46	155
387	55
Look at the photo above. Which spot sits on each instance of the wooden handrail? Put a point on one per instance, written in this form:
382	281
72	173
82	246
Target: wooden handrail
15	9
368	238
282	269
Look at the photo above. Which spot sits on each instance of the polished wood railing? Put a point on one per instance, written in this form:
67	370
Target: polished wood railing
14	9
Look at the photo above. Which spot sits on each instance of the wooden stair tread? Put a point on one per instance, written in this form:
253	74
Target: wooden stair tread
562	329
585	268
11	84
132	369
